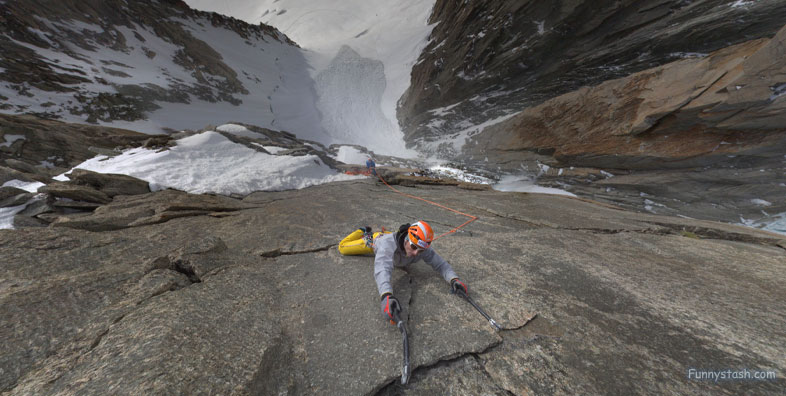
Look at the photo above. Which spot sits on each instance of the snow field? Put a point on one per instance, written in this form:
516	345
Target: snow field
210	163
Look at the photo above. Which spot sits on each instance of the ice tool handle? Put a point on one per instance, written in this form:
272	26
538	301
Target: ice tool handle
469	299
405	367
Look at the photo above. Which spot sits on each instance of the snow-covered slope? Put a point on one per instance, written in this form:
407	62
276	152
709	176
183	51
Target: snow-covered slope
381	39
208	162
152	68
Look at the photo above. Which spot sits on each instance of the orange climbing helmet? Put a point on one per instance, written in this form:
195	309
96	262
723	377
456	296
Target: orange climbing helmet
420	234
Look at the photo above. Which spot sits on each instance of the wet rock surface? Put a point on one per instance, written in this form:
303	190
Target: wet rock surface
257	299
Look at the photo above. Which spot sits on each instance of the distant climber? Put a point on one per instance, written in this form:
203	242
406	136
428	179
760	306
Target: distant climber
371	166
410	244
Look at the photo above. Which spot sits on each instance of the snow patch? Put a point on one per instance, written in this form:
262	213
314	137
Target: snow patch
460	175
775	223
742	3
523	183
760	202
541	27
685	55
78	26
42	35
543	168
10	139
778	224
7	216
452	144
272	149
351	155
777	91
443	111
27	186
239	130
210	163
232	128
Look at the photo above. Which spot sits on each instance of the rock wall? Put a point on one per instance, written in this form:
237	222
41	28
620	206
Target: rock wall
690	112
490	59
255	300
47	148
703	137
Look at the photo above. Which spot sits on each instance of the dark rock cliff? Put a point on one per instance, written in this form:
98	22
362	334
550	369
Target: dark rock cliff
702	137
493	58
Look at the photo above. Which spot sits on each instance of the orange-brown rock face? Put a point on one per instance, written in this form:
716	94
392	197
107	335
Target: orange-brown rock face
731	101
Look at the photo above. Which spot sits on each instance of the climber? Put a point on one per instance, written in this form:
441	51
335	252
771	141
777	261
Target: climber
410	244
371	166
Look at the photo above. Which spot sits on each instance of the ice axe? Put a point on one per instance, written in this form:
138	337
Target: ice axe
405	368
469	299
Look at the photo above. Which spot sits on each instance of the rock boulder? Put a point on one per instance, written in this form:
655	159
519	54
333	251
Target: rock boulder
12	196
75	192
108	183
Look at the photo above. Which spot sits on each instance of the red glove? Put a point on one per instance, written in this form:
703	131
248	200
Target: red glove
456	284
390	305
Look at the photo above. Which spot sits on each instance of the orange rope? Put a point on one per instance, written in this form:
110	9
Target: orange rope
471	218
355	173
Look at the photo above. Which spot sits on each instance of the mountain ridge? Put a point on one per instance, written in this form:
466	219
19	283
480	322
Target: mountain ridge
150	67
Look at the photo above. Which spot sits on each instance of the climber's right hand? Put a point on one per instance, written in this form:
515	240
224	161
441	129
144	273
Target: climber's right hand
390	305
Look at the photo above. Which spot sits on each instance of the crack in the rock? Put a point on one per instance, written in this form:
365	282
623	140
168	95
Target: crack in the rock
511	217
665	229
534	338
101	335
713	233
682	105
480	363
590	229
94	344
172	288
278	252
475	355
506	329
181	267
446	361
607	231
261	204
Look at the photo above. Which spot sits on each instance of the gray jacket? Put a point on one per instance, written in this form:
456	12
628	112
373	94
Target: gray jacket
388	254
